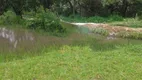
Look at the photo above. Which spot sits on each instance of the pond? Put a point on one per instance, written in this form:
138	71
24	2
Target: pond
26	40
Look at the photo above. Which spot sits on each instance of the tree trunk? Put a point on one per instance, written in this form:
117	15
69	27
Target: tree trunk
72	6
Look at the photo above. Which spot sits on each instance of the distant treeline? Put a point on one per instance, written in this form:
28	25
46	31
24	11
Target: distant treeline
125	8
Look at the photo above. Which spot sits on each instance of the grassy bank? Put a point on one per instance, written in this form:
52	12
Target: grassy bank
130	22
95	19
77	63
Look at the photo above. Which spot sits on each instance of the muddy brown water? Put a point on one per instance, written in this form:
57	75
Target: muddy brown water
21	39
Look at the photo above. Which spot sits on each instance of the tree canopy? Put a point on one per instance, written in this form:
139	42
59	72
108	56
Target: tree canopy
126	8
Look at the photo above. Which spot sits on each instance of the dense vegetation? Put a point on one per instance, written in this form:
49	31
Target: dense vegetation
130	8
14	11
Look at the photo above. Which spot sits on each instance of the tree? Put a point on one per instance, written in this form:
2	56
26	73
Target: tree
46	3
123	7
17	6
2	6
31	5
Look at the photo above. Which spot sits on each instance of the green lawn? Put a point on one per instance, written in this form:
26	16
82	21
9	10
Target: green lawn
77	63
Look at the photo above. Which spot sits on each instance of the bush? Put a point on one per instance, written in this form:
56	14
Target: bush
115	18
46	21
10	18
96	19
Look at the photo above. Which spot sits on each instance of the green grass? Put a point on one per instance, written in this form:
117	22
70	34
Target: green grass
77	63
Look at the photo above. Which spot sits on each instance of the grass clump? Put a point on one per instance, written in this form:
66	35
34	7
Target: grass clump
101	31
133	22
132	35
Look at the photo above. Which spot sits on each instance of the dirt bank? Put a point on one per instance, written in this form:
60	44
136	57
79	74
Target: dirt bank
121	31
108	27
113	30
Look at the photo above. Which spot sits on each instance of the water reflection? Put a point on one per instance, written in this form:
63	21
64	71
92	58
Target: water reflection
13	37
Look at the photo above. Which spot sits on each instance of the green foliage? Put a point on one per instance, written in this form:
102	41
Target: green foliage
17	6
47	22
126	8
95	19
3	4
76	18
140	17
10	18
113	18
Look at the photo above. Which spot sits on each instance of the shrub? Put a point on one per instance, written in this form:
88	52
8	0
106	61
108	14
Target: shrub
115	18
10	18
96	19
46	21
